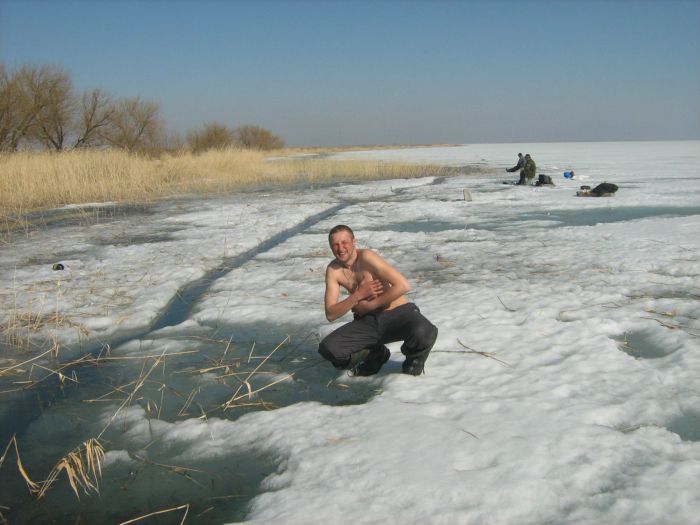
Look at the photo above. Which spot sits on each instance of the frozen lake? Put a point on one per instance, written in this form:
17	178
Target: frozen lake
562	388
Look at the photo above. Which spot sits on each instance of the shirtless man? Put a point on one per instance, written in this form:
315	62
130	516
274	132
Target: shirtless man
382	314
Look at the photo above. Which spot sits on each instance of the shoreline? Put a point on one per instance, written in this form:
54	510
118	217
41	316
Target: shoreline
87	213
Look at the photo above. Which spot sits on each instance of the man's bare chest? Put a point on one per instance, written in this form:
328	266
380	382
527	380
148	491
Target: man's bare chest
352	278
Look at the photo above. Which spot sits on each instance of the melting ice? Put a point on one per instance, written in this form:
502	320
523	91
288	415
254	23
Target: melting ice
562	388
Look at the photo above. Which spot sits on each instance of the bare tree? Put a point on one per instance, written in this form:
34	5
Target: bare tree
173	142
212	136
7	102
255	137
96	110
55	104
38	106
28	95
135	125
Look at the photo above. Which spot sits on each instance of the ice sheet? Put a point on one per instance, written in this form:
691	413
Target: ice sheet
563	385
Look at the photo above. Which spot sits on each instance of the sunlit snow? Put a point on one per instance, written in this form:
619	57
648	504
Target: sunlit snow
563	387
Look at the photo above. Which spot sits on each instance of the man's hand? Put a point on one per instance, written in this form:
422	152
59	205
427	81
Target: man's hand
368	290
365	294
362	308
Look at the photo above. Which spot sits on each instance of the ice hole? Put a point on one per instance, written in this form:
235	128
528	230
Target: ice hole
593	216
426	226
686	425
641	344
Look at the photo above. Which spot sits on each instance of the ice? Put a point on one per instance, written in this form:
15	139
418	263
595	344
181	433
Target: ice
562	387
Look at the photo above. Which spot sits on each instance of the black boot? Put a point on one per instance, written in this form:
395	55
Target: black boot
373	362
415	364
357	358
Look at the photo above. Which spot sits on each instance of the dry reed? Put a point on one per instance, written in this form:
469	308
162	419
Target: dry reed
31	181
186	508
82	465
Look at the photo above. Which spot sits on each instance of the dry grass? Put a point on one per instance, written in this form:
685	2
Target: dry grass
359	147
82	466
31	181
186	508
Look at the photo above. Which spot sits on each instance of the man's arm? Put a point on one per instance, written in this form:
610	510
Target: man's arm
383	271
336	308
519	165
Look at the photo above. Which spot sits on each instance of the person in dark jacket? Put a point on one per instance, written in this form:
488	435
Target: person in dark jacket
528	171
520	165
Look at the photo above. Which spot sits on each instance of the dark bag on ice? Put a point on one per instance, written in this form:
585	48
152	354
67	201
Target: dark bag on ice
606	187
544	179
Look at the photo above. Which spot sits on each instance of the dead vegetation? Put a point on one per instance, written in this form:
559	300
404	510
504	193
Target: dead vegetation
33	181
246	375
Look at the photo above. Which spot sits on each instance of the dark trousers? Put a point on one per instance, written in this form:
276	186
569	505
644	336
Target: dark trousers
372	331
524	179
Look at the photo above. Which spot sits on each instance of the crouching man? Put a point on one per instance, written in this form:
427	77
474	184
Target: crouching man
382	314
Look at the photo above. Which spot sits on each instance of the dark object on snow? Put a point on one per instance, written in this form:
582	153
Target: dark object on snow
528	171
584	187
520	165
606	189
58	266
372	363
544	180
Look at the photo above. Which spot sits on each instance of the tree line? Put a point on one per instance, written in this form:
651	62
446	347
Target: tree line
40	108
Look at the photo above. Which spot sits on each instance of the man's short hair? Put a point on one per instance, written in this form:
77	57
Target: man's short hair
340	228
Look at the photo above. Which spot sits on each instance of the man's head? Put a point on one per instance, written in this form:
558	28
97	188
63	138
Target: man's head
342	242
520	154
340	228
528	156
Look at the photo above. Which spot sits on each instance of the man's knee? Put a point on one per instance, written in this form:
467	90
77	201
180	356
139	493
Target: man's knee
325	351
424	336
428	333
340	357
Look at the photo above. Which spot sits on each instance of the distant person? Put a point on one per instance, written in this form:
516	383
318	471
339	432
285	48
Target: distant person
528	171
382	314
519	166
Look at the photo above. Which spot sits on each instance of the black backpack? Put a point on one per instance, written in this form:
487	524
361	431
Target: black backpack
606	187
544	179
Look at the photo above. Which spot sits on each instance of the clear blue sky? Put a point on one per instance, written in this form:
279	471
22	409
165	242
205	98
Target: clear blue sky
361	72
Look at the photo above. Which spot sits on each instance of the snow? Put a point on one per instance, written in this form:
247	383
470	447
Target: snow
562	387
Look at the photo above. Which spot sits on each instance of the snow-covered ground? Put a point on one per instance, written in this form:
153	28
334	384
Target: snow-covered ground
563	387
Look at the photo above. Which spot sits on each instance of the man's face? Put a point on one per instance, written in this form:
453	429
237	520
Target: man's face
343	246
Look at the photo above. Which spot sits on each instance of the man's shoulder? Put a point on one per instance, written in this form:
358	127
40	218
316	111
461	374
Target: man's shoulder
334	266
367	255
364	253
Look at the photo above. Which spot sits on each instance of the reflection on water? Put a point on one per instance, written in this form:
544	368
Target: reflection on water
553	219
425	226
641	345
218	374
580	217
592	216
686	425
82	216
127	239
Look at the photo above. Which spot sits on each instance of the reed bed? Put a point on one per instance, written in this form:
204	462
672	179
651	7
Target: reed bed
81	467
32	181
